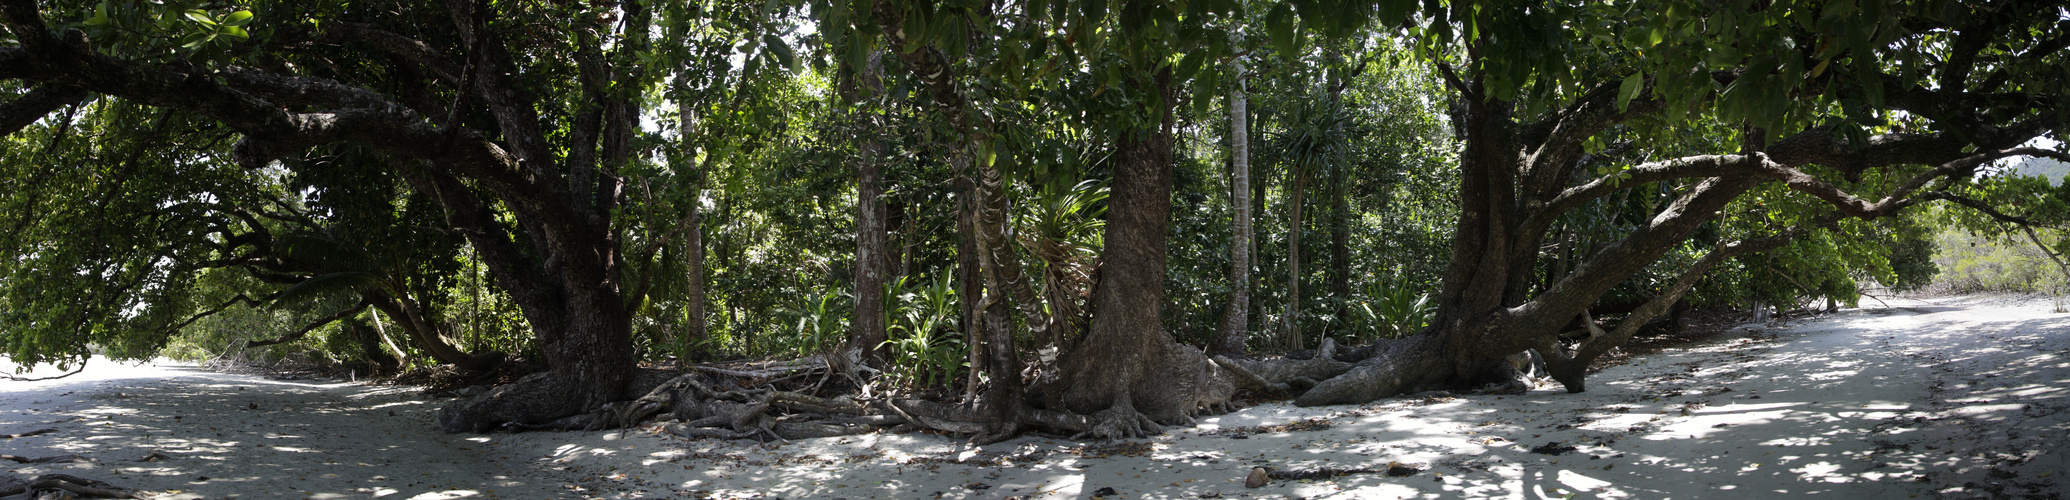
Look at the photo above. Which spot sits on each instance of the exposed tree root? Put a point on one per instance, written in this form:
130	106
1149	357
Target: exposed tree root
783	401
68	483
1282	376
37	432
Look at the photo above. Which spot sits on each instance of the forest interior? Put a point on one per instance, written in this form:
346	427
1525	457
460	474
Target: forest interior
788	220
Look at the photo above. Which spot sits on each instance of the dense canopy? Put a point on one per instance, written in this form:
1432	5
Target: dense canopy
1096	217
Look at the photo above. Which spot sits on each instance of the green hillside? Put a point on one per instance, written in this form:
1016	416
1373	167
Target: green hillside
2051	168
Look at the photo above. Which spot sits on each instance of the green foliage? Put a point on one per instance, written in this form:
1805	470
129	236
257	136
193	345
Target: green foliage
817	325
926	346
1971	262
1395	308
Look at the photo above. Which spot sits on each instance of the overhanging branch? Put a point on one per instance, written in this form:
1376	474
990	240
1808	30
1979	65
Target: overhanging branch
304	331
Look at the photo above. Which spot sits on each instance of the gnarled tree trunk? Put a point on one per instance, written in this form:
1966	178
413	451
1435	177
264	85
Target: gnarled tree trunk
1128	372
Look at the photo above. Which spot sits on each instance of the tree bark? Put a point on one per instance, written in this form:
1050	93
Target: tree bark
1128	372
969	284
1235	331
870	257
696	327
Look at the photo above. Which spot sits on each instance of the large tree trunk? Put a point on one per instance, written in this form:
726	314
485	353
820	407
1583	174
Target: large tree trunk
1483	315
1128	372
1235	329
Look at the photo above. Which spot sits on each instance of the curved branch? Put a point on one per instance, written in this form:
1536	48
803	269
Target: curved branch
1609	266
298	334
1543	218
1977	205
75	371
1899	198
1558	146
1570	369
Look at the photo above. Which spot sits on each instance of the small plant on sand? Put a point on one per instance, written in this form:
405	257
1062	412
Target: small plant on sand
1395	308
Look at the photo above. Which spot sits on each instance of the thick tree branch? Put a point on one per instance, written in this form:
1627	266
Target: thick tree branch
1542	218
1556	143
34	105
1900	197
1570	368
477	222
410	49
1611	265
495	81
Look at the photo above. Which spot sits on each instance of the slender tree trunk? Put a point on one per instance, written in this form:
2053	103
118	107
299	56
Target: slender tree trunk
1000	267
969	286
1290	323
870	247
2038	245
697	329
1259	280
1235	318
402	358
1339	274
870	257
1340	244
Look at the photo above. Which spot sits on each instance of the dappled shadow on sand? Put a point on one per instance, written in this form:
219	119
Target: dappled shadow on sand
1889	403
205	434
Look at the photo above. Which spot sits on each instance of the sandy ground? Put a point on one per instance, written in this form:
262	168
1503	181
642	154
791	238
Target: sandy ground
240	436
1947	398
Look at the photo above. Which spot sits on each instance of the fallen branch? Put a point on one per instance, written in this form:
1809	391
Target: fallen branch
74	484
60	459
37	432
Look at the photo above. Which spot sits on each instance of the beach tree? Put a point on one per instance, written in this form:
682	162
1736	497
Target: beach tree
1866	108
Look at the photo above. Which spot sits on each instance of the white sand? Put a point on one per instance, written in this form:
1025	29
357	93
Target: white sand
249	437
1952	398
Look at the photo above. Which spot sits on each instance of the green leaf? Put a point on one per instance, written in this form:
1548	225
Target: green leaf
100	15
1095	11
1630	89
239	18
1188	66
782	51
201	17
197	41
1280	26
234	31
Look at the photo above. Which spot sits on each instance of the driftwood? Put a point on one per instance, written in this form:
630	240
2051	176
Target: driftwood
68	483
60	459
